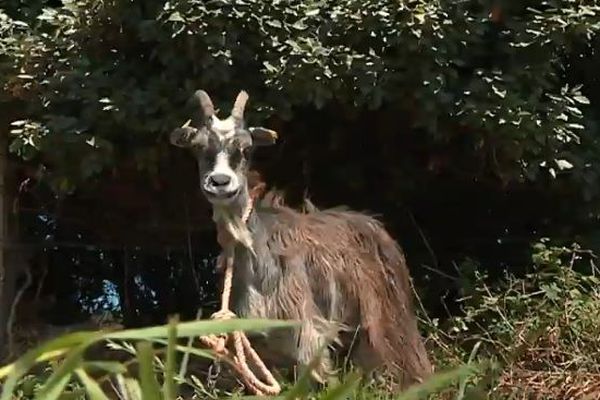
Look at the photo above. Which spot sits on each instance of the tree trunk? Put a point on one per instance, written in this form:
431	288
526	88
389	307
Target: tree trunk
7	278
13	260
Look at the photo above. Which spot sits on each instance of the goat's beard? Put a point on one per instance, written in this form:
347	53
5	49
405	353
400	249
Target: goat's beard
230	216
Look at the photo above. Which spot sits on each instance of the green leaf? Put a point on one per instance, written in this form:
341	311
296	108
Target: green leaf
176	17
92	388
563	164
581	99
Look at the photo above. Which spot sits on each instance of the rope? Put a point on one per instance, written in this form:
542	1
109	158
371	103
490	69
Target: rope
243	351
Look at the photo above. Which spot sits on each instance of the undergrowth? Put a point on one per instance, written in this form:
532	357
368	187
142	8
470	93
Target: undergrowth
538	333
534	336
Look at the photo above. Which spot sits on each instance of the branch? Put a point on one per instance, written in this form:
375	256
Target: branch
13	312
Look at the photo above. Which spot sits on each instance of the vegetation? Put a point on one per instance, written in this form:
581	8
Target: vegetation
533	336
72	348
536	331
92	70
469	126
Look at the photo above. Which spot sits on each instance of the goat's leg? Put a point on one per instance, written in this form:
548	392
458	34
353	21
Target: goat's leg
313	348
365	357
372	366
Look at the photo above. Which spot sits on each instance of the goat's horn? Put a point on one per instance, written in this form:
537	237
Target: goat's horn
238	107
208	109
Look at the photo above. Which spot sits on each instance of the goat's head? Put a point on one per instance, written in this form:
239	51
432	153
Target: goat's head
222	147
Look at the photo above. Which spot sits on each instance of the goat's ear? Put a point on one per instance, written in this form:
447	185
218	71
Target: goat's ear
263	136
188	136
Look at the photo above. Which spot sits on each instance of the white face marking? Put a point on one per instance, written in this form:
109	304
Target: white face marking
222	167
225	129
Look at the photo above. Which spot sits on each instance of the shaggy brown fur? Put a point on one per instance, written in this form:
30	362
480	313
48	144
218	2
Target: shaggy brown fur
345	278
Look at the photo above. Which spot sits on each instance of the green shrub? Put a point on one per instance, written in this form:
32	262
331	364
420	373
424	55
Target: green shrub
542	324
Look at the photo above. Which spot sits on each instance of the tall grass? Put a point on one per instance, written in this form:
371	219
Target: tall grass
155	356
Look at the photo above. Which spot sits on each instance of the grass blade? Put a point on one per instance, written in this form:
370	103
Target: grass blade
93	389
302	385
56	382
437	382
342	390
187	349
463	382
56	390
7	369
197	328
129	388
47	350
169	386
148	383
111	367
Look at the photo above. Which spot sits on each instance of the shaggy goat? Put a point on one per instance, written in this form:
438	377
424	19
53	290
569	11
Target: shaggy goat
337	272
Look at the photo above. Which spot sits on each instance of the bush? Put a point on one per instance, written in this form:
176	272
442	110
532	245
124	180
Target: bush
539	331
99	76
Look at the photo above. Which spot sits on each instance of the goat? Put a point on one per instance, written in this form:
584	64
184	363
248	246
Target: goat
336	271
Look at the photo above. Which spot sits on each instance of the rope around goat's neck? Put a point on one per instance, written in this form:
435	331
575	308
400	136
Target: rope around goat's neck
243	348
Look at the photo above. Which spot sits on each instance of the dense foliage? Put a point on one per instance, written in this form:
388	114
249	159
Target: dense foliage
104	80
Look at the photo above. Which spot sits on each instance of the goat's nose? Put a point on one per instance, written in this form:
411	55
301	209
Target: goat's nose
219	179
